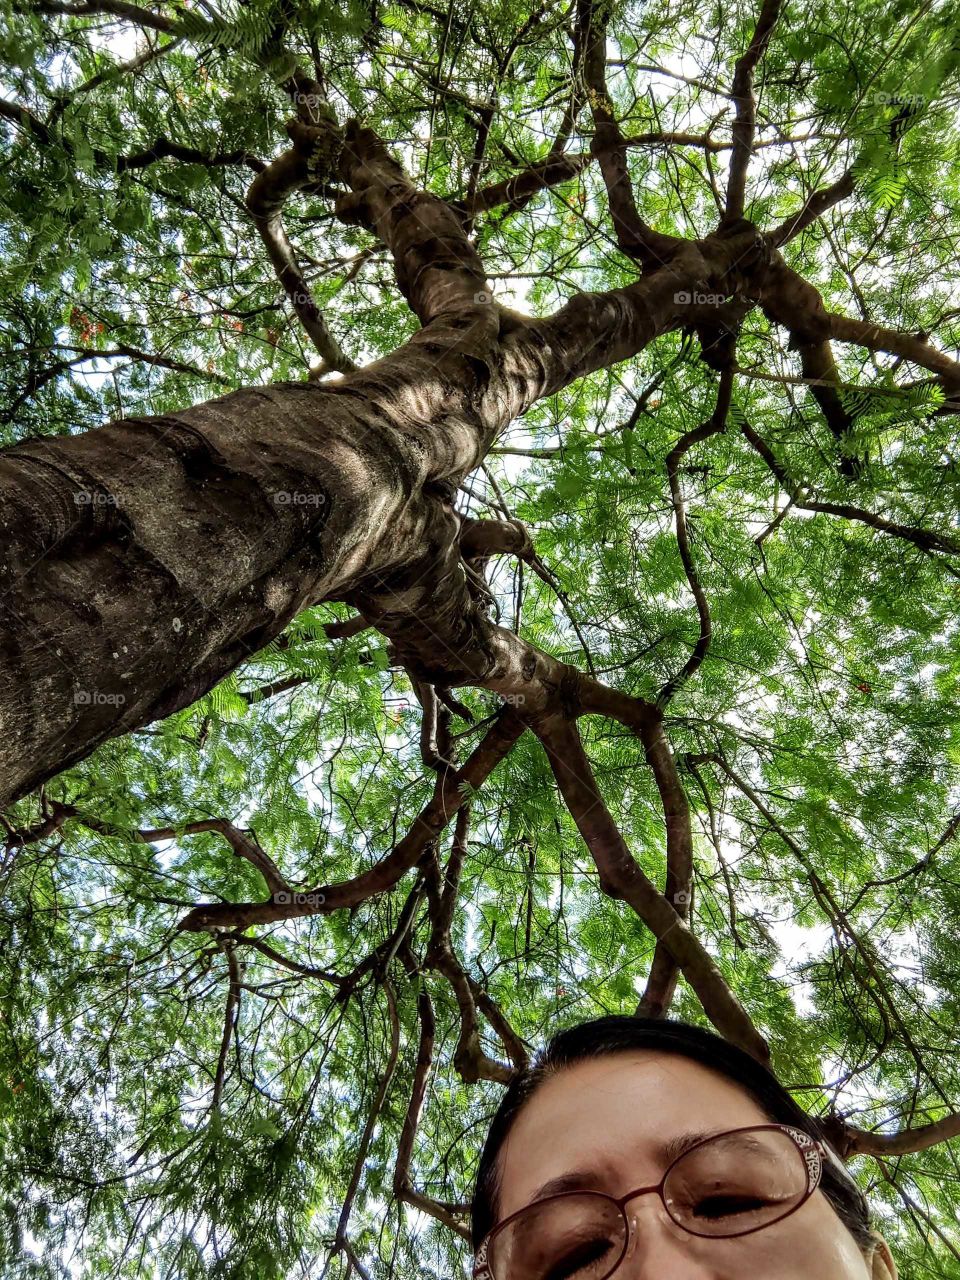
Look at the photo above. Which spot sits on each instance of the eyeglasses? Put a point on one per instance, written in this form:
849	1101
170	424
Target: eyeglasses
727	1185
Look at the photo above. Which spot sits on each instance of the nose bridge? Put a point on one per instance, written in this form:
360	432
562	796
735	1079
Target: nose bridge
657	1246
645	1212
654	1189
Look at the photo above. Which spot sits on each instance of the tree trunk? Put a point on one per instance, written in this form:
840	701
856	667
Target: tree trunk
145	560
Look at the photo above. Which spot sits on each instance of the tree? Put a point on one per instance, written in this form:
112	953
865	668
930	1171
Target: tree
578	500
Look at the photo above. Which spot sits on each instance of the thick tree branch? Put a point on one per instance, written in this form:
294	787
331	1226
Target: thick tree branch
820	368
436	267
363	454
634	236
852	1141
678	889
480	539
789	300
908	346
348	627
115	8
745	123
429	753
621	877
55	814
814	207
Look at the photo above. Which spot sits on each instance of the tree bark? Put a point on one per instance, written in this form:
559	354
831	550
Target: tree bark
145	560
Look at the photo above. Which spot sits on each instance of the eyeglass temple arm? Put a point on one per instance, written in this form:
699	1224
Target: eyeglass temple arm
480	1269
814	1153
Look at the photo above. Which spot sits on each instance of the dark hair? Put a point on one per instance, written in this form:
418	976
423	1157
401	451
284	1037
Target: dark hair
615	1034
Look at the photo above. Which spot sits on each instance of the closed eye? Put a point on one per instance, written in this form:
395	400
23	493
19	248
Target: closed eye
727	1206
582	1256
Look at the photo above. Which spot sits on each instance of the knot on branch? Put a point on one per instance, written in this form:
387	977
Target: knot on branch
469	1059
750	254
481	539
735	225
319	145
835	1130
718	346
444	490
568	693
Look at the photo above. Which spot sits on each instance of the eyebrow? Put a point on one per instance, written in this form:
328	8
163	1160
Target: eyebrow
587	1179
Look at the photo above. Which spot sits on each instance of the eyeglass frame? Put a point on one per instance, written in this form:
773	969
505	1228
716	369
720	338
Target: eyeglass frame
811	1150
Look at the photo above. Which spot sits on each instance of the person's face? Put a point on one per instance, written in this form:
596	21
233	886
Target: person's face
607	1116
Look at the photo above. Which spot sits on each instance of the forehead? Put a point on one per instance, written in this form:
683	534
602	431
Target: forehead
611	1114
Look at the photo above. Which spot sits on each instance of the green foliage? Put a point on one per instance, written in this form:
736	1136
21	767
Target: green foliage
831	687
